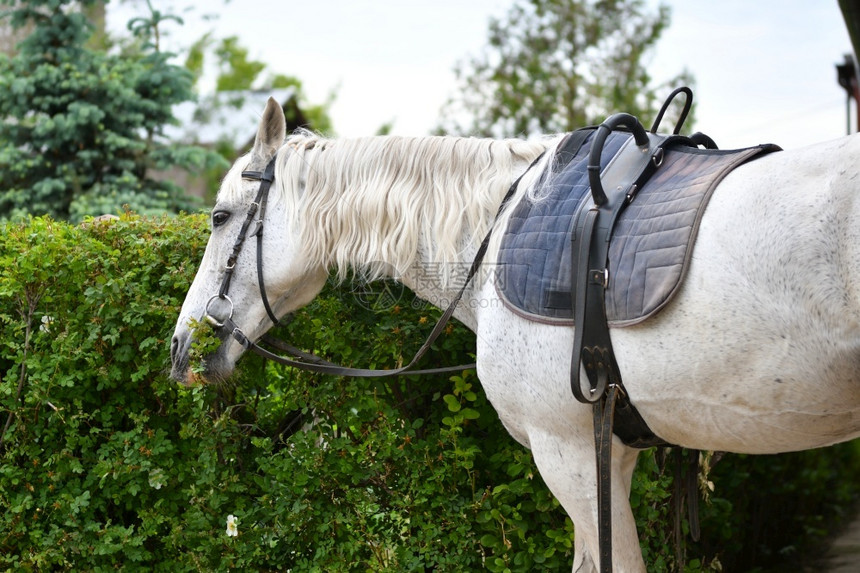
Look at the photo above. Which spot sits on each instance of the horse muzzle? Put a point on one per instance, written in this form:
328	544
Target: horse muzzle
217	367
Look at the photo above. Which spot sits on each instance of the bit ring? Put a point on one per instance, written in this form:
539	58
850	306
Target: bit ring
208	315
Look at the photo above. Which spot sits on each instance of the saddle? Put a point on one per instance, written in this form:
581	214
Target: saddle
626	220
652	236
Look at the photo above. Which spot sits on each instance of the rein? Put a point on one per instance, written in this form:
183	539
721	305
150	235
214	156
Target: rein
306	360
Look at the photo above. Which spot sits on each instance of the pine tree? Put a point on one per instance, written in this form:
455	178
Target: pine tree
81	129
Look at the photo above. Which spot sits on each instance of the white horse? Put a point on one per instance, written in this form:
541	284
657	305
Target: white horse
758	353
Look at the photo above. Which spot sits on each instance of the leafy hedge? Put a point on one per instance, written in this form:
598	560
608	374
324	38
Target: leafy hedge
105	463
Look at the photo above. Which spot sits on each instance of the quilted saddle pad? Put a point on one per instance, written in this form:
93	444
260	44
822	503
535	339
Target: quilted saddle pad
650	246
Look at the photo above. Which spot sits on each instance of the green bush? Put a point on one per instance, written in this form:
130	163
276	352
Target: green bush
105	463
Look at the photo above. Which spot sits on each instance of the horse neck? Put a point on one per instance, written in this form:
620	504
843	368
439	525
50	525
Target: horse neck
414	209
440	282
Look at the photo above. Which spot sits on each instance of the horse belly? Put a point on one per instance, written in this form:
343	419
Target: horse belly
695	389
719	397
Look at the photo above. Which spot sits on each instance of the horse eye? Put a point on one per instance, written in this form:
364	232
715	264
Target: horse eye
219	218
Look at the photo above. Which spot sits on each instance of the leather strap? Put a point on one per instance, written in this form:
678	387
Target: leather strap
688	104
604	416
266	180
314	363
685	482
265	177
592	348
580	278
591	273
567	150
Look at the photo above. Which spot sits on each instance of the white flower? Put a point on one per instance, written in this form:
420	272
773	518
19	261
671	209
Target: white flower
232	526
47	321
156	478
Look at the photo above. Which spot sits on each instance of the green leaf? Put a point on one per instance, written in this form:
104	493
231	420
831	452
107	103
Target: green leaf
452	402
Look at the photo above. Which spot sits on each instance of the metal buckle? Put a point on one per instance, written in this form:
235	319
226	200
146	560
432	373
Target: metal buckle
599	277
621	392
631	194
207	315
240	337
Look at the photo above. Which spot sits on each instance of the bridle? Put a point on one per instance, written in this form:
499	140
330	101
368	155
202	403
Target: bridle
304	360
257	208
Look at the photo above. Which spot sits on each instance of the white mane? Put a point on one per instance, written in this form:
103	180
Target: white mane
367	203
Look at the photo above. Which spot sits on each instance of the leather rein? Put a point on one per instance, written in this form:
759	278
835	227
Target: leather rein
305	360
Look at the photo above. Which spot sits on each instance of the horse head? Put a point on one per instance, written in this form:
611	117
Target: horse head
227	291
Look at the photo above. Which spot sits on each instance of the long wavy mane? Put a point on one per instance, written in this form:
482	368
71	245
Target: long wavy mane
366	203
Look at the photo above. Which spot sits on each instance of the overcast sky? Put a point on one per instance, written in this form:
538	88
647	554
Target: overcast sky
764	69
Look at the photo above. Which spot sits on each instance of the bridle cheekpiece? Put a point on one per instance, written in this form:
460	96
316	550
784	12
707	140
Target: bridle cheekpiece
256	209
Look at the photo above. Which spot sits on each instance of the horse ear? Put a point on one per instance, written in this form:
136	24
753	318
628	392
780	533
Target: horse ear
270	134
